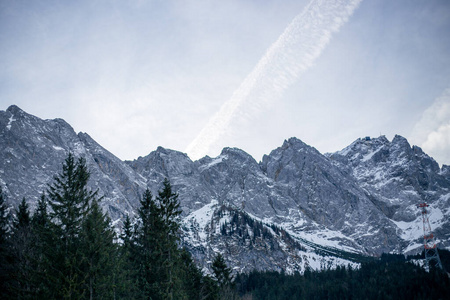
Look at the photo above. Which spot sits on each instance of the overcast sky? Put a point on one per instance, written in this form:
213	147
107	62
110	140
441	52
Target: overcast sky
197	76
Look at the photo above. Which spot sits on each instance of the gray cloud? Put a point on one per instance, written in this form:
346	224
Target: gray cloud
432	132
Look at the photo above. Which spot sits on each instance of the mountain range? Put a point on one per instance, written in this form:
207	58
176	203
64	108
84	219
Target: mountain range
295	209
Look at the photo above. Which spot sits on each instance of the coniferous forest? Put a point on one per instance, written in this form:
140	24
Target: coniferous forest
67	249
388	278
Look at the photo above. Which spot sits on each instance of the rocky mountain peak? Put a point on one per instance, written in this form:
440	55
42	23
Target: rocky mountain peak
293	158
296	144
15	117
162	163
373	151
235	157
236	152
400	140
396	175
14	109
16	114
400	147
293	142
363	146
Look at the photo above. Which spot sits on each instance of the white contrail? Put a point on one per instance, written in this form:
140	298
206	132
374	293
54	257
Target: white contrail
293	53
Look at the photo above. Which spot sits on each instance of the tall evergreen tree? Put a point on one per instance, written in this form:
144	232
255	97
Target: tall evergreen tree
73	267
224	278
69	200
194	284
22	252
69	197
127	235
157	242
128	264
41	219
221	271
41	239
169	208
99	255
23	218
147	253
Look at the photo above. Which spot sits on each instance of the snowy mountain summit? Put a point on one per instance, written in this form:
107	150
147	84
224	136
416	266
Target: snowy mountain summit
295	209
398	177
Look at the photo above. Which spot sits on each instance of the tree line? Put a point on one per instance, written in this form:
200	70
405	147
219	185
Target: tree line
68	249
390	277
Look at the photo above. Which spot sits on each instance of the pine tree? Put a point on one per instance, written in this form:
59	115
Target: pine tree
70	202
23	219
78	258
127	235
41	239
41	219
69	197
157	244
194	284
147	253
128	264
22	252
224	278
209	289
221	271
169	208
99	254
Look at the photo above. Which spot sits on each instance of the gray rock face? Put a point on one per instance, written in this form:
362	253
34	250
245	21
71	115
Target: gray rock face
296	209
32	151
184	176
329	197
398	177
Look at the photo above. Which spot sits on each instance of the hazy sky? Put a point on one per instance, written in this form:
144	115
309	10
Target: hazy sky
196	76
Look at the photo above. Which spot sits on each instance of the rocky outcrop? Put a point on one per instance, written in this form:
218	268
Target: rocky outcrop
32	151
399	177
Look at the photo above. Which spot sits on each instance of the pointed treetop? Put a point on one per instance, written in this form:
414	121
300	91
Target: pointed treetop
23	218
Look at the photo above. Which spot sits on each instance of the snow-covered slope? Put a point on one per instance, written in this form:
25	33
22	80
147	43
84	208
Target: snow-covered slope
398	177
